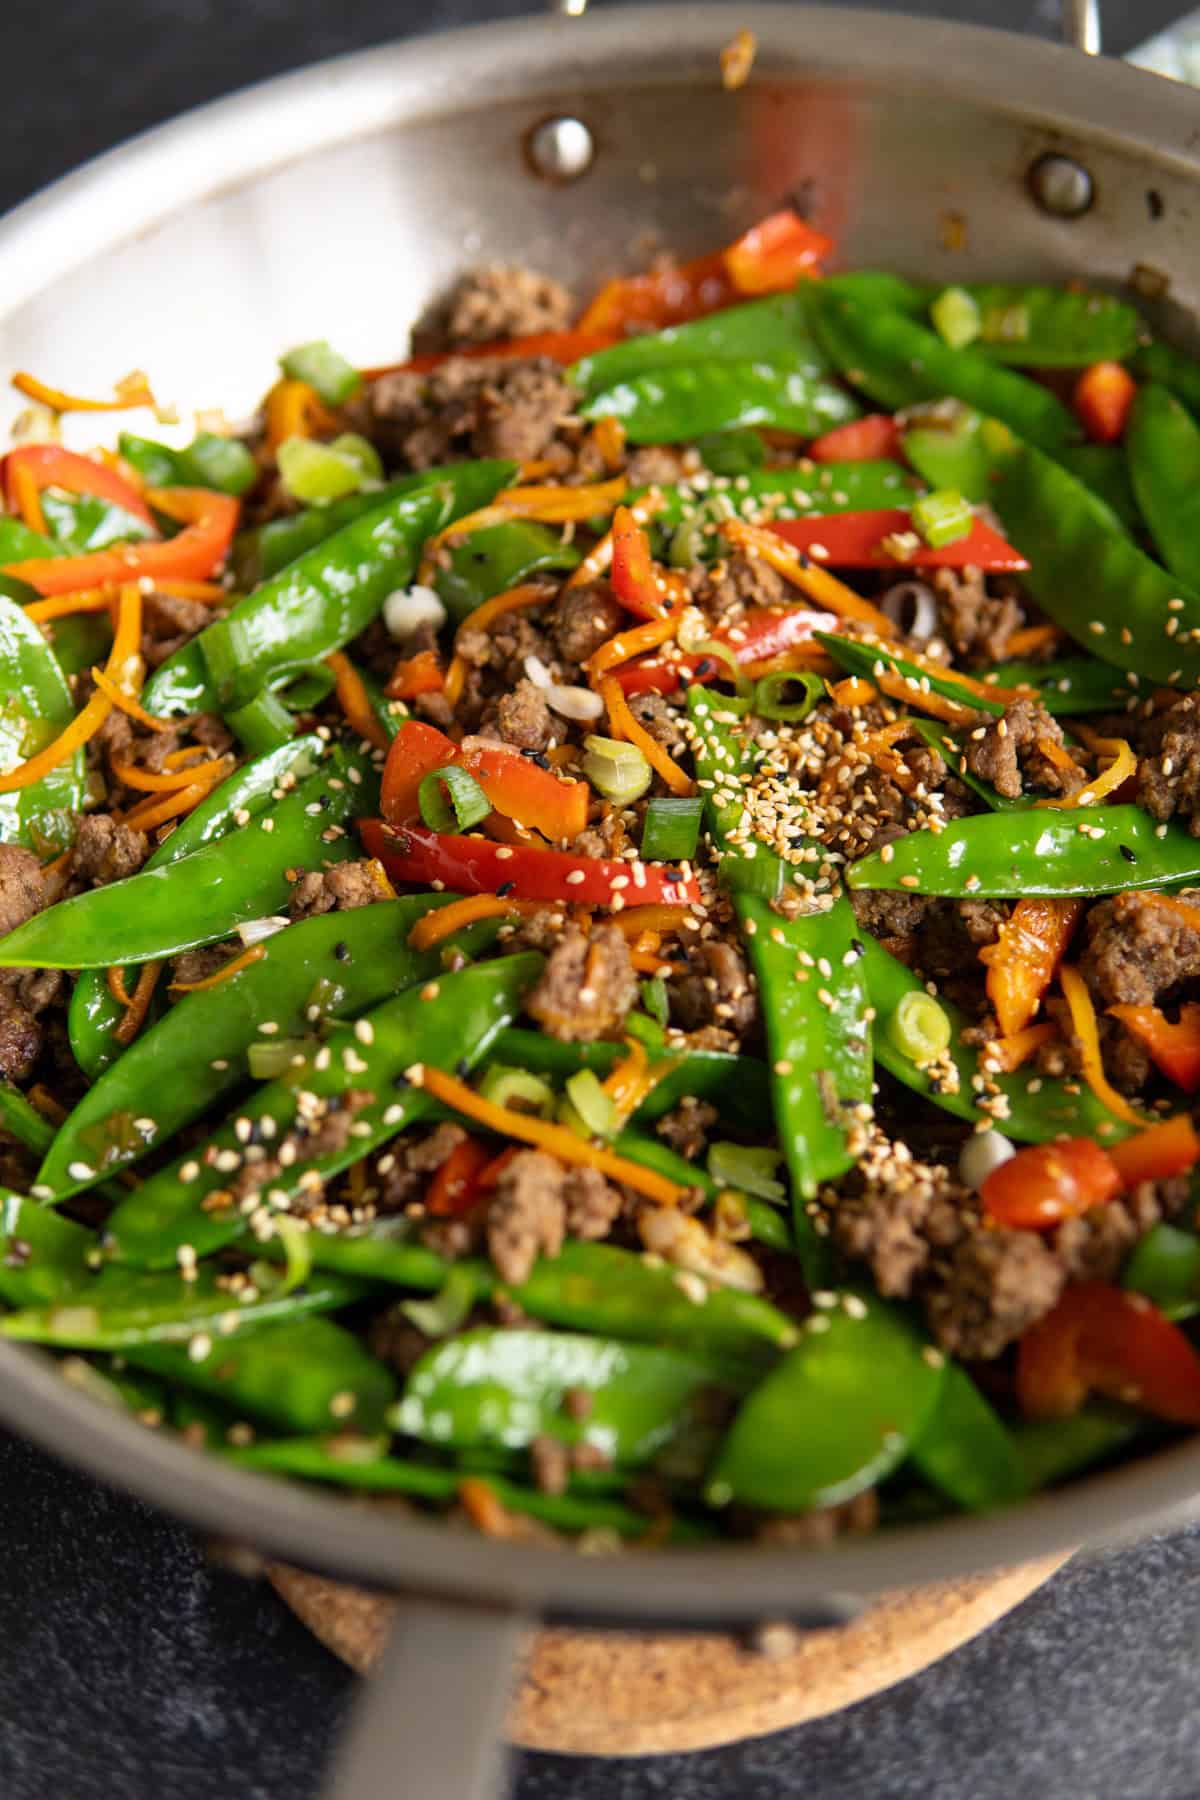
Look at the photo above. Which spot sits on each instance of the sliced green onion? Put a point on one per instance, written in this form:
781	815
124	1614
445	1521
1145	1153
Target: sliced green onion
647	1030
263	724
1006	324
315	472
362	451
218	462
267	1062
448	1308
654	999
956	317
920	1028
297	1252
688	543
618	771
671	829
770	691
518	1090
742	683
593	1105
942	518
748	1168
324	369
452	800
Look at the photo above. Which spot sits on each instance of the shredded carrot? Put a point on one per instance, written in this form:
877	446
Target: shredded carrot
800	656
116	987
146	781
817	583
139	1005
1120	769
552	505
46	1104
647	963
626	1074
599	558
853	692
608	435
1003	1055
627	644
354	701
668	920
535	471
132	390
83	726
623	725
177	759
1033	639
1083	1022
127	703
484	1508
446	920
379	876
556	1139
61	606
252	954
180	588
512	600
29	499
294	409
150	812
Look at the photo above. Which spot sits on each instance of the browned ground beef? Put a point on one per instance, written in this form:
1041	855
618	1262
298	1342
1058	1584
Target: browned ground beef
737	582
395	1340
686	1126
660	719
989	1289
107	851
470	407
585	618
587	986
501	651
977	625
714	990
20	1038
22	889
1168	777
493	303
527	1218
894	1225
521	717
1007	751
339	889
170	623
1137	949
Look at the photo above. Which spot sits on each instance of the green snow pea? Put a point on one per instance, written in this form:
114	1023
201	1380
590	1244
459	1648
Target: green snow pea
35	707
820	488
347	1465
1038	851
877	288
43	1257
79	640
950	749
300	1373
731	453
738	1085
840	1412
23	1121
1077	684
93	1014
1053	1111
210	461
18	542
1052	327
767	1224
674	405
319	602
1090	578
1051	1449
1165	1266
859	658
320	969
1170	368
1162	444
899	363
775	330
200	898
151	1223
498	558
967	1451
503	1389
391	714
263	551
944	444
1104	469
83	522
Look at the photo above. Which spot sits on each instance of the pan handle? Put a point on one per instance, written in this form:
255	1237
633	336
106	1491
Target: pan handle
1080	25
431	1720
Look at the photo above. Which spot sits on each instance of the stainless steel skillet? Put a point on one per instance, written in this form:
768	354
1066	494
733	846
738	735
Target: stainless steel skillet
338	201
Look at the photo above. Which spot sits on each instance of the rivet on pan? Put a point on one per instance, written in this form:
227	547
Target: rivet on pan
561	148
1061	186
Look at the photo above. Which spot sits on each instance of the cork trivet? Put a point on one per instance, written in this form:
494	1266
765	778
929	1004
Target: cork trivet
608	1694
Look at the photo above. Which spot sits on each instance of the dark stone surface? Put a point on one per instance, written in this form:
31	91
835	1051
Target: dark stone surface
131	1668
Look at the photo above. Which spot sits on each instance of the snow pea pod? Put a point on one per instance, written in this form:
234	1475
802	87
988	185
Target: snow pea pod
820	488
868	659
1090	578
169	1209
320	969
1162	443
1165	1266
319	602
762	331
1051	327
767	1224
950	749
674	405
262	552
1104	469
498	558
1051	1449
304	1373
1171	368
899	363
1033	1115
79	640
200	898
314	1459
840	1412
967	1451
1077	684
945	445
23	1121
52	1258
210	460
502	1389
1038	851
18	543
36	706
84	522
93	1014
738	1085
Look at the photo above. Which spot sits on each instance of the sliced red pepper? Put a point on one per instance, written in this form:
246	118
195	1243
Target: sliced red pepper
1173	1048
776	253
472	865
49	465
668	296
416	751
1103	1339
1160	1151
635	580
516	787
457	1183
1024	960
1102	400
413	675
197	551
765	632
1046	1183
559	346
856	541
862	440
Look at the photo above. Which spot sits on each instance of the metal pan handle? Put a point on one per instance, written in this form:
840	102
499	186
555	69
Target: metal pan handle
431	1720
1081	25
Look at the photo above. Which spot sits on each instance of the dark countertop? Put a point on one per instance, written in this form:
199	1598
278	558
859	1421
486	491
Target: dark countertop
131	1667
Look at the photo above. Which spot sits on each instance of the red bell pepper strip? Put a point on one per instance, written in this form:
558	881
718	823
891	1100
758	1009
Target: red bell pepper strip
472	865
1024	960
49	465
666	297
1173	1048
1160	1151
776	253
856	541
457	1183
513	784
635	580
862	440
413	675
208	519
1046	1183
1103	397
560	346
765	632
1101	1338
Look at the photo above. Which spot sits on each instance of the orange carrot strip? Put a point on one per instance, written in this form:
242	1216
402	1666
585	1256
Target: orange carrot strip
352	698
1004	1055
127	703
817	583
938	706
623	725
252	954
512	600
1021	963
668	920
552	505
132	390
608	435
146	781
626	644
139	1005
116	987
294	409
446	920
29	499
853	692
1032	639
151	812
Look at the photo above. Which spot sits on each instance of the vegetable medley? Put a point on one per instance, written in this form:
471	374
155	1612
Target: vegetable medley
601	928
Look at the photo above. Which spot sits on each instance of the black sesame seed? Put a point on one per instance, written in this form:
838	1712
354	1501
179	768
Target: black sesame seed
462	1068
1155	204
706	666
858	947
537	756
401	1080
342	950
505	889
323	800
1129	855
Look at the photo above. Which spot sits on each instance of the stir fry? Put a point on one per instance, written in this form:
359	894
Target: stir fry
601	927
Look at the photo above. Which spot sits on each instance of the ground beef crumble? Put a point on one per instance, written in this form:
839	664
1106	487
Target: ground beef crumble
470	406
494	303
1137	949
685	1128
976	623
340	889
1006	752
587	986
107	851
1168	777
